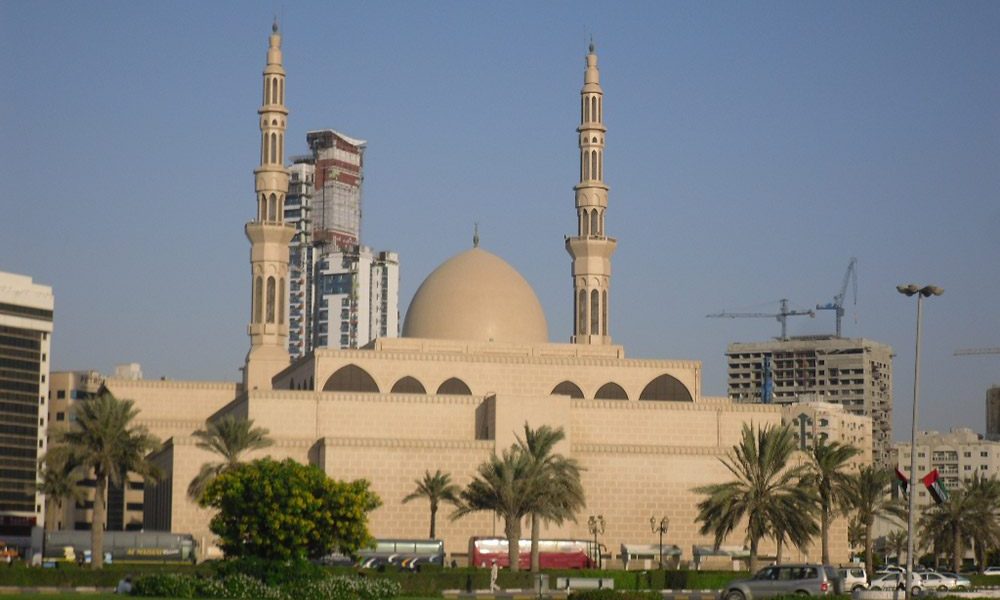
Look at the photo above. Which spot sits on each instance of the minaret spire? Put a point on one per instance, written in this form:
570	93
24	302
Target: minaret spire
268	233
591	248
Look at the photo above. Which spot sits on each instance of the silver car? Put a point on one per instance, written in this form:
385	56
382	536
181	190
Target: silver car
781	580
942	582
895	581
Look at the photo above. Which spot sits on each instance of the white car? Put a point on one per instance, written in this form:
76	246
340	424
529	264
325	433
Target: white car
853	579
895	581
992	571
941	582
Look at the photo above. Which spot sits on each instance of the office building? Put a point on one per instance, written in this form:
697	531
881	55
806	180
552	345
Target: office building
993	413
342	294
26	310
855	373
957	455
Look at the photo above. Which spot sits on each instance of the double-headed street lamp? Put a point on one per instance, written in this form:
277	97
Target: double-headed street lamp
921	293
662	528
596	526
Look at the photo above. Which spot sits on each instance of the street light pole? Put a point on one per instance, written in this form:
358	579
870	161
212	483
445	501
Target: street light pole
596	526
662	528
920	293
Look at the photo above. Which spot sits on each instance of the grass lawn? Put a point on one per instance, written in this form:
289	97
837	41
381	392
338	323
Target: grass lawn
86	596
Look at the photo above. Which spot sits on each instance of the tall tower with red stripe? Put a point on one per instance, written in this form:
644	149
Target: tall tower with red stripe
268	233
591	248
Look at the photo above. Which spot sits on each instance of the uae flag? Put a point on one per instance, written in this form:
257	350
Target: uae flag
904	483
935	487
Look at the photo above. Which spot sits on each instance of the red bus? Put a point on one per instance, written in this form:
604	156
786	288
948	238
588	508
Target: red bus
552	554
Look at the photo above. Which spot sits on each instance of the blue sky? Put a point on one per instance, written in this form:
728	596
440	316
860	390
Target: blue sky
752	150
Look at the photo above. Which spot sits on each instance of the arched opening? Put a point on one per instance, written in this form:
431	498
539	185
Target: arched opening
600	109
408	385
611	391
585	230
258	300
666	387
454	386
593	164
281	148
274	148
583	110
272	209
270	299
600	166
281	301
262	208
594	229
586	166
351	378
593	108
567	388
281	91
267	87
604	312
595	312
274	90
581	308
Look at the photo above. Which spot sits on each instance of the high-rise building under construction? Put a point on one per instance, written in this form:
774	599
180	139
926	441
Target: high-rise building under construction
342	294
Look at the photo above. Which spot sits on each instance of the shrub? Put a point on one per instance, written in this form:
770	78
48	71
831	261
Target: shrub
168	585
271	572
343	588
613	595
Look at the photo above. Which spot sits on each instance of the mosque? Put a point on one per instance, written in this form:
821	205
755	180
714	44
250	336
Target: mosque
473	366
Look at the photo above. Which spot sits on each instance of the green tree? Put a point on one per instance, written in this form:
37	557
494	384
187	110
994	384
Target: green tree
436	488
103	441
987	536
765	491
60	478
286	510
870	499
827	475
561	493
230	438
896	542
503	485
970	512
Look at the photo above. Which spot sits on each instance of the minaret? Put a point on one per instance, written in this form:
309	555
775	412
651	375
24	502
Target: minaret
591	249
269	235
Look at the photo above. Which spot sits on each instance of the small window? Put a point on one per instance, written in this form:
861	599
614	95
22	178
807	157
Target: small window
60	416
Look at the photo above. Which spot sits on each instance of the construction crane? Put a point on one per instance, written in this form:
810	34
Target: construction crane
838	301
781	316
974	351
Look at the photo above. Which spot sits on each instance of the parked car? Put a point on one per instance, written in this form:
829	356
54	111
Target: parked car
992	571
781	580
895	581
962	582
853	578
890	569
933	580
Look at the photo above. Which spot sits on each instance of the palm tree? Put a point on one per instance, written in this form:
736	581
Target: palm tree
968	512
897	541
230	438
870	500
827	475
561	491
987	535
105	442
436	488
765	491
504	485
60	478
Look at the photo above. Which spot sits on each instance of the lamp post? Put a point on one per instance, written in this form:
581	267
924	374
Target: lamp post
921	293
662	528
596	526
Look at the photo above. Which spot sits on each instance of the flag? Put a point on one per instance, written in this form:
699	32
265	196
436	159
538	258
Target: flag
904	483
935	487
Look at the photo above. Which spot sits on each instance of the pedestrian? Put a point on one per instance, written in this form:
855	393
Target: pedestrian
494	571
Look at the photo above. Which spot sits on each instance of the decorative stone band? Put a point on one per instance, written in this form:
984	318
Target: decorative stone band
609	449
485	445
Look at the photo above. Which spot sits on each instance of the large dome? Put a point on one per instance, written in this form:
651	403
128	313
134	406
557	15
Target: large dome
476	296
